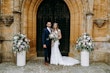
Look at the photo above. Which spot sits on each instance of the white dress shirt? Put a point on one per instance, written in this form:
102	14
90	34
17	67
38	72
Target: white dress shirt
49	29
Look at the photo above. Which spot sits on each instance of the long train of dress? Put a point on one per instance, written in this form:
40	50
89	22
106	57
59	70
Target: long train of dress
58	59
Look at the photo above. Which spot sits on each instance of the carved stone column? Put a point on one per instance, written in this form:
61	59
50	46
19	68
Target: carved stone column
89	16
0	49
17	15
90	5
109	16
0	53
1	43
89	23
0	33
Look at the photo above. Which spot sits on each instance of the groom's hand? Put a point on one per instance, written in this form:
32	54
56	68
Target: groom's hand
44	46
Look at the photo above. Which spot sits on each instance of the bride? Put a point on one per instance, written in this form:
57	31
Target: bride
56	57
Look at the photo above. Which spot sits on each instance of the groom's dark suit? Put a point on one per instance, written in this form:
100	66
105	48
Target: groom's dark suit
46	41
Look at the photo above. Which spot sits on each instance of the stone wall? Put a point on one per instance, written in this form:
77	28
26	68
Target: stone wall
95	20
102	49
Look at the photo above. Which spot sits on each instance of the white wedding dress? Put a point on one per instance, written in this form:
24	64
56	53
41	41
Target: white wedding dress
57	58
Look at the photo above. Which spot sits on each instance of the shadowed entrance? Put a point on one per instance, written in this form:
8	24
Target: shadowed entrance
54	11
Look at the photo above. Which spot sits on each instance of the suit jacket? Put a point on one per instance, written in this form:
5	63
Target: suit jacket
45	37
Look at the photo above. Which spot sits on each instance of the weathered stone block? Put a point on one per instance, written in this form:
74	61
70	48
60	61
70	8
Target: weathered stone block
100	52
98	56
7	54
108	58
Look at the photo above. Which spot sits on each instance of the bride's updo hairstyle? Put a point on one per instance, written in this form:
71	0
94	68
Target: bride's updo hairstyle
55	26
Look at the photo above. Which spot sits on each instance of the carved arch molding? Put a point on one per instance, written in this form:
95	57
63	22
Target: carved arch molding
28	18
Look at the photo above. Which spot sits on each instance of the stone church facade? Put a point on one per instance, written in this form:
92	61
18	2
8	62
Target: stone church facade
91	16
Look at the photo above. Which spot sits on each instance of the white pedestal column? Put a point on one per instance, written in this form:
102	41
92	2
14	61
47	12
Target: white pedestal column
84	58
21	58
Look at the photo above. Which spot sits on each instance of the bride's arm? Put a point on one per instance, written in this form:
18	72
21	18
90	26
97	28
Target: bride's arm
60	35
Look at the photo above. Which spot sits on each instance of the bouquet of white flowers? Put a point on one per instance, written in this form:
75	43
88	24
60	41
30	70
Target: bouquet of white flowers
53	36
20	43
85	42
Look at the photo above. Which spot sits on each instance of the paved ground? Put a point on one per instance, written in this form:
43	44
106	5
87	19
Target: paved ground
39	67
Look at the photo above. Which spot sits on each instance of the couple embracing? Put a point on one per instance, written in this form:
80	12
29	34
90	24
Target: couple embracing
52	54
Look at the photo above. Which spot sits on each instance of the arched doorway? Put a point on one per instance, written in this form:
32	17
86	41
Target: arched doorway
29	22
54	11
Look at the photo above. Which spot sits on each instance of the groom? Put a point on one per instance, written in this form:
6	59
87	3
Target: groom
47	42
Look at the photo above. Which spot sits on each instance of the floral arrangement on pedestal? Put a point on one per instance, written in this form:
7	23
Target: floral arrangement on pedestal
85	42
20	46
20	43
85	45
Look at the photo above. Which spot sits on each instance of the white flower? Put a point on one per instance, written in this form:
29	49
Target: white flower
89	44
19	43
88	38
16	37
79	43
22	46
26	39
84	36
51	36
22	35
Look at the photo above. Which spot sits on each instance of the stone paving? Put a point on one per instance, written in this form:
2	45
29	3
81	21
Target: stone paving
37	66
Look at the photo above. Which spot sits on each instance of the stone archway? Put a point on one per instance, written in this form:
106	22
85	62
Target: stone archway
29	10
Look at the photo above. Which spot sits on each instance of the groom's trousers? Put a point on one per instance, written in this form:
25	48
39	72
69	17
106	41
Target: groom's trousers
47	53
